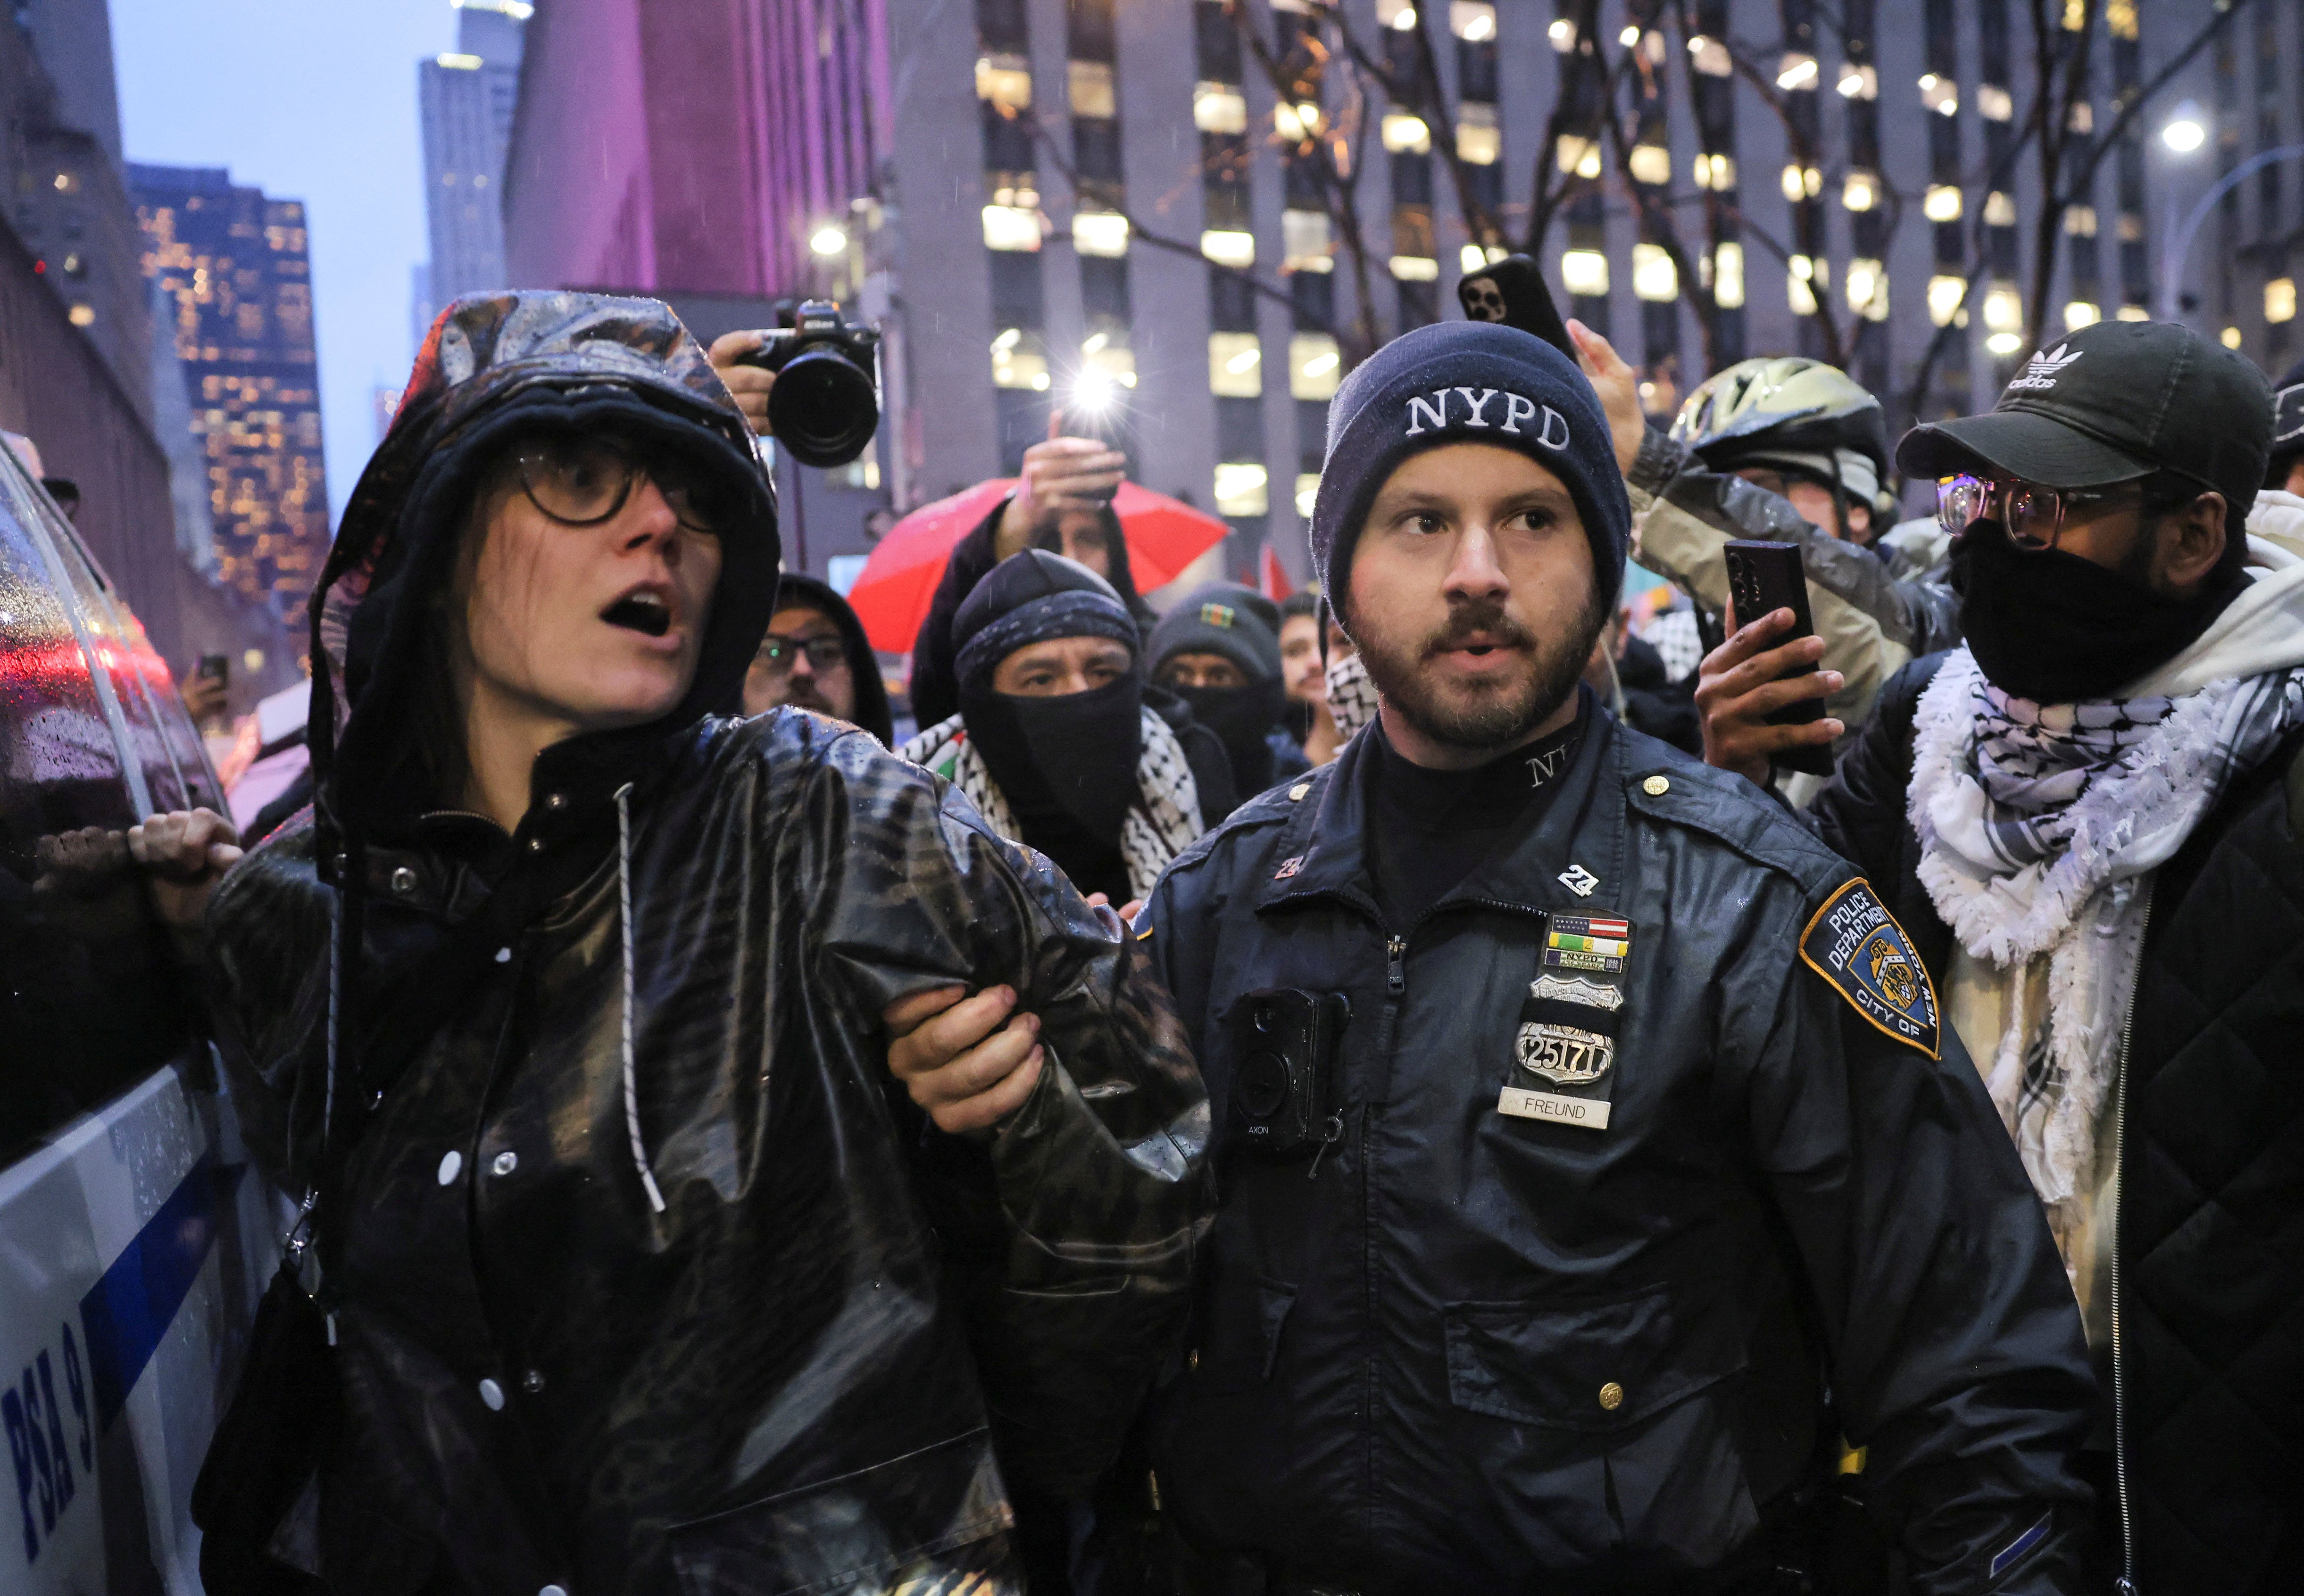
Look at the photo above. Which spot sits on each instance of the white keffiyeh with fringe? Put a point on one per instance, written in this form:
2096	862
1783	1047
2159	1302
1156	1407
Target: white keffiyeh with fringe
2037	825
1161	823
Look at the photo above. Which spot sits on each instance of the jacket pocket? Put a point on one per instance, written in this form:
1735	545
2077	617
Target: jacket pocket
1596	1364
939	1514
1241	1346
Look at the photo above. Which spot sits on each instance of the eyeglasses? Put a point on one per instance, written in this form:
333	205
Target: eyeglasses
2034	515
583	481
780	654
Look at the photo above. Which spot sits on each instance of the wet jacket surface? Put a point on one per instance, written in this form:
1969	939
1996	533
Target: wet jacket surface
1465	1350
2212	1159
646	1276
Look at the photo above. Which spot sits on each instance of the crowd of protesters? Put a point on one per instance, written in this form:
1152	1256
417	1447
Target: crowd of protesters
1396	1088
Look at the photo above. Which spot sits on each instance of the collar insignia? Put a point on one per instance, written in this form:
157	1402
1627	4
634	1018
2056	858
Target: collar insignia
1579	880
1288	867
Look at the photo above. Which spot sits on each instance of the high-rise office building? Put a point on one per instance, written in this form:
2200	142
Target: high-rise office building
234	265
466	98
1209	214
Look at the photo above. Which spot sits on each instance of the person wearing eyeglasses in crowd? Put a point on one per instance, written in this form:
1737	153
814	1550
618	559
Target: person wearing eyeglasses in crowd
816	657
2088	817
653	1253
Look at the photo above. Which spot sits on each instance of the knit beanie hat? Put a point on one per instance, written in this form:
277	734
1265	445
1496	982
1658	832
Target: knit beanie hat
1226	618
1030	598
1466	382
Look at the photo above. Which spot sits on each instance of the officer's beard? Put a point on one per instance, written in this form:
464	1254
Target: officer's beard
1497	714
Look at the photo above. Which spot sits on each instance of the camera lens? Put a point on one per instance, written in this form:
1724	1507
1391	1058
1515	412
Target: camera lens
823	408
1263	1085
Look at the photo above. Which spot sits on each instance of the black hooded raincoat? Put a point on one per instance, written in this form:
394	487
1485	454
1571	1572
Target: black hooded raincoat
645	1275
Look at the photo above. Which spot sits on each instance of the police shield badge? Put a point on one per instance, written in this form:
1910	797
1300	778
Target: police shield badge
1567	1033
1855	944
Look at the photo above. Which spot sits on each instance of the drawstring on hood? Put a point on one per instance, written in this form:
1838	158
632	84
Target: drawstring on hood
631	1074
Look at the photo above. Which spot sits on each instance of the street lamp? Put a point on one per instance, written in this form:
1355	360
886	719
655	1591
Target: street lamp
2185	133
829	239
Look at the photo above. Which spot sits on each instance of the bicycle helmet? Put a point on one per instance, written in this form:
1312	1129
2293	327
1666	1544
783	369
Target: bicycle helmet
1788	412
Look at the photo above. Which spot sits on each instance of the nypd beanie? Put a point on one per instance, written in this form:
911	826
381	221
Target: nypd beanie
1466	382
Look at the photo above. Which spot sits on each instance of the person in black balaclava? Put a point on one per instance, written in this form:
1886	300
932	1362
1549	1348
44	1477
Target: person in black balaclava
1062	503
1053	741
1218	650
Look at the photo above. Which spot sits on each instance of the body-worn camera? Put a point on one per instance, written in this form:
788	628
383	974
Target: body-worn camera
825	404
1283	1091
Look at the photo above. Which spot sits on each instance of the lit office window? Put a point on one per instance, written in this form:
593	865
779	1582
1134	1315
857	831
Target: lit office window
2280	299
1578	155
1308	493
1716	172
1727	263
1940	95
1235	365
2132	313
1479	140
1472	257
1563	35
1472	21
1404	134
1296	121
1993	103
1803	277
1241	490
1858	82
1867	288
1017	361
1219	108
1797	70
1415	268
1315	365
1005	81
1860	190
1584	273
1653	276
1710	57
1227	248
1944	295
2228	337
2079	221
1100	233
1651	163
1010	227
1999	210
1942	204
1802	183
1091	88
1307	242
2080	313
2003	310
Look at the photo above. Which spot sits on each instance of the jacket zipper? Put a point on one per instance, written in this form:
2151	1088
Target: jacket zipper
2126	1586
1395	987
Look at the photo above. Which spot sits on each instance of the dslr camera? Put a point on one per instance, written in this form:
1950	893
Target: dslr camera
825	404
1283	1092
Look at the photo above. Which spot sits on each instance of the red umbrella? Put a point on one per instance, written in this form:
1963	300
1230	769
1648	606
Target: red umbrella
892	592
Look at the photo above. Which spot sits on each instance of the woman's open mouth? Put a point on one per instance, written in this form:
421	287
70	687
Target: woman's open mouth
643	612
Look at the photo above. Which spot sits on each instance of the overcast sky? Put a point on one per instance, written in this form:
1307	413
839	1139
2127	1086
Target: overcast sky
312	100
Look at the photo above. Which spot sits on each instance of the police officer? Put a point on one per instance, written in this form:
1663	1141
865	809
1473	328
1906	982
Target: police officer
1592	1156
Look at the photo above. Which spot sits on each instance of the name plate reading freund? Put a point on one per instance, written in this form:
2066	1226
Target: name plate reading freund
1590	1114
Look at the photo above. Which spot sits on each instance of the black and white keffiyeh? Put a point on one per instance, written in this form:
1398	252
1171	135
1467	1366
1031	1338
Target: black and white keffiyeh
1351	696
1161	823
2038	825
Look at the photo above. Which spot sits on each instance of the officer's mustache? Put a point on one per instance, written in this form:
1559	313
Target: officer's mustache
1482	618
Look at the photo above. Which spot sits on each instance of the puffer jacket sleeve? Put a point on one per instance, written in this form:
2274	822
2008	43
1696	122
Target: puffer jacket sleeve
1957	1352
1076	1220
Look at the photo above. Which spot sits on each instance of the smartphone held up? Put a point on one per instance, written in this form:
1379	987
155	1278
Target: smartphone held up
1763	577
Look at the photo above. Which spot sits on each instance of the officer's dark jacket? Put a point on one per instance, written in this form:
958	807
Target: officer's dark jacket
2210	1233
1468	1349
824	1358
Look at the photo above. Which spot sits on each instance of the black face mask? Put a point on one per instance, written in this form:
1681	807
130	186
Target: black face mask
1240	717
1073	756
2057	628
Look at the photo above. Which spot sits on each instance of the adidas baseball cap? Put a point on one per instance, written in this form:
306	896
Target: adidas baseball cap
2111	402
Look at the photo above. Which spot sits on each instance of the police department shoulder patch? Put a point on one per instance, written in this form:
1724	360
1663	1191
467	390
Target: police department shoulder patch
1854	943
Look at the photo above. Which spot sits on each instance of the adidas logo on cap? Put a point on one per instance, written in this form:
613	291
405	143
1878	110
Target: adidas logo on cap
2044	368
